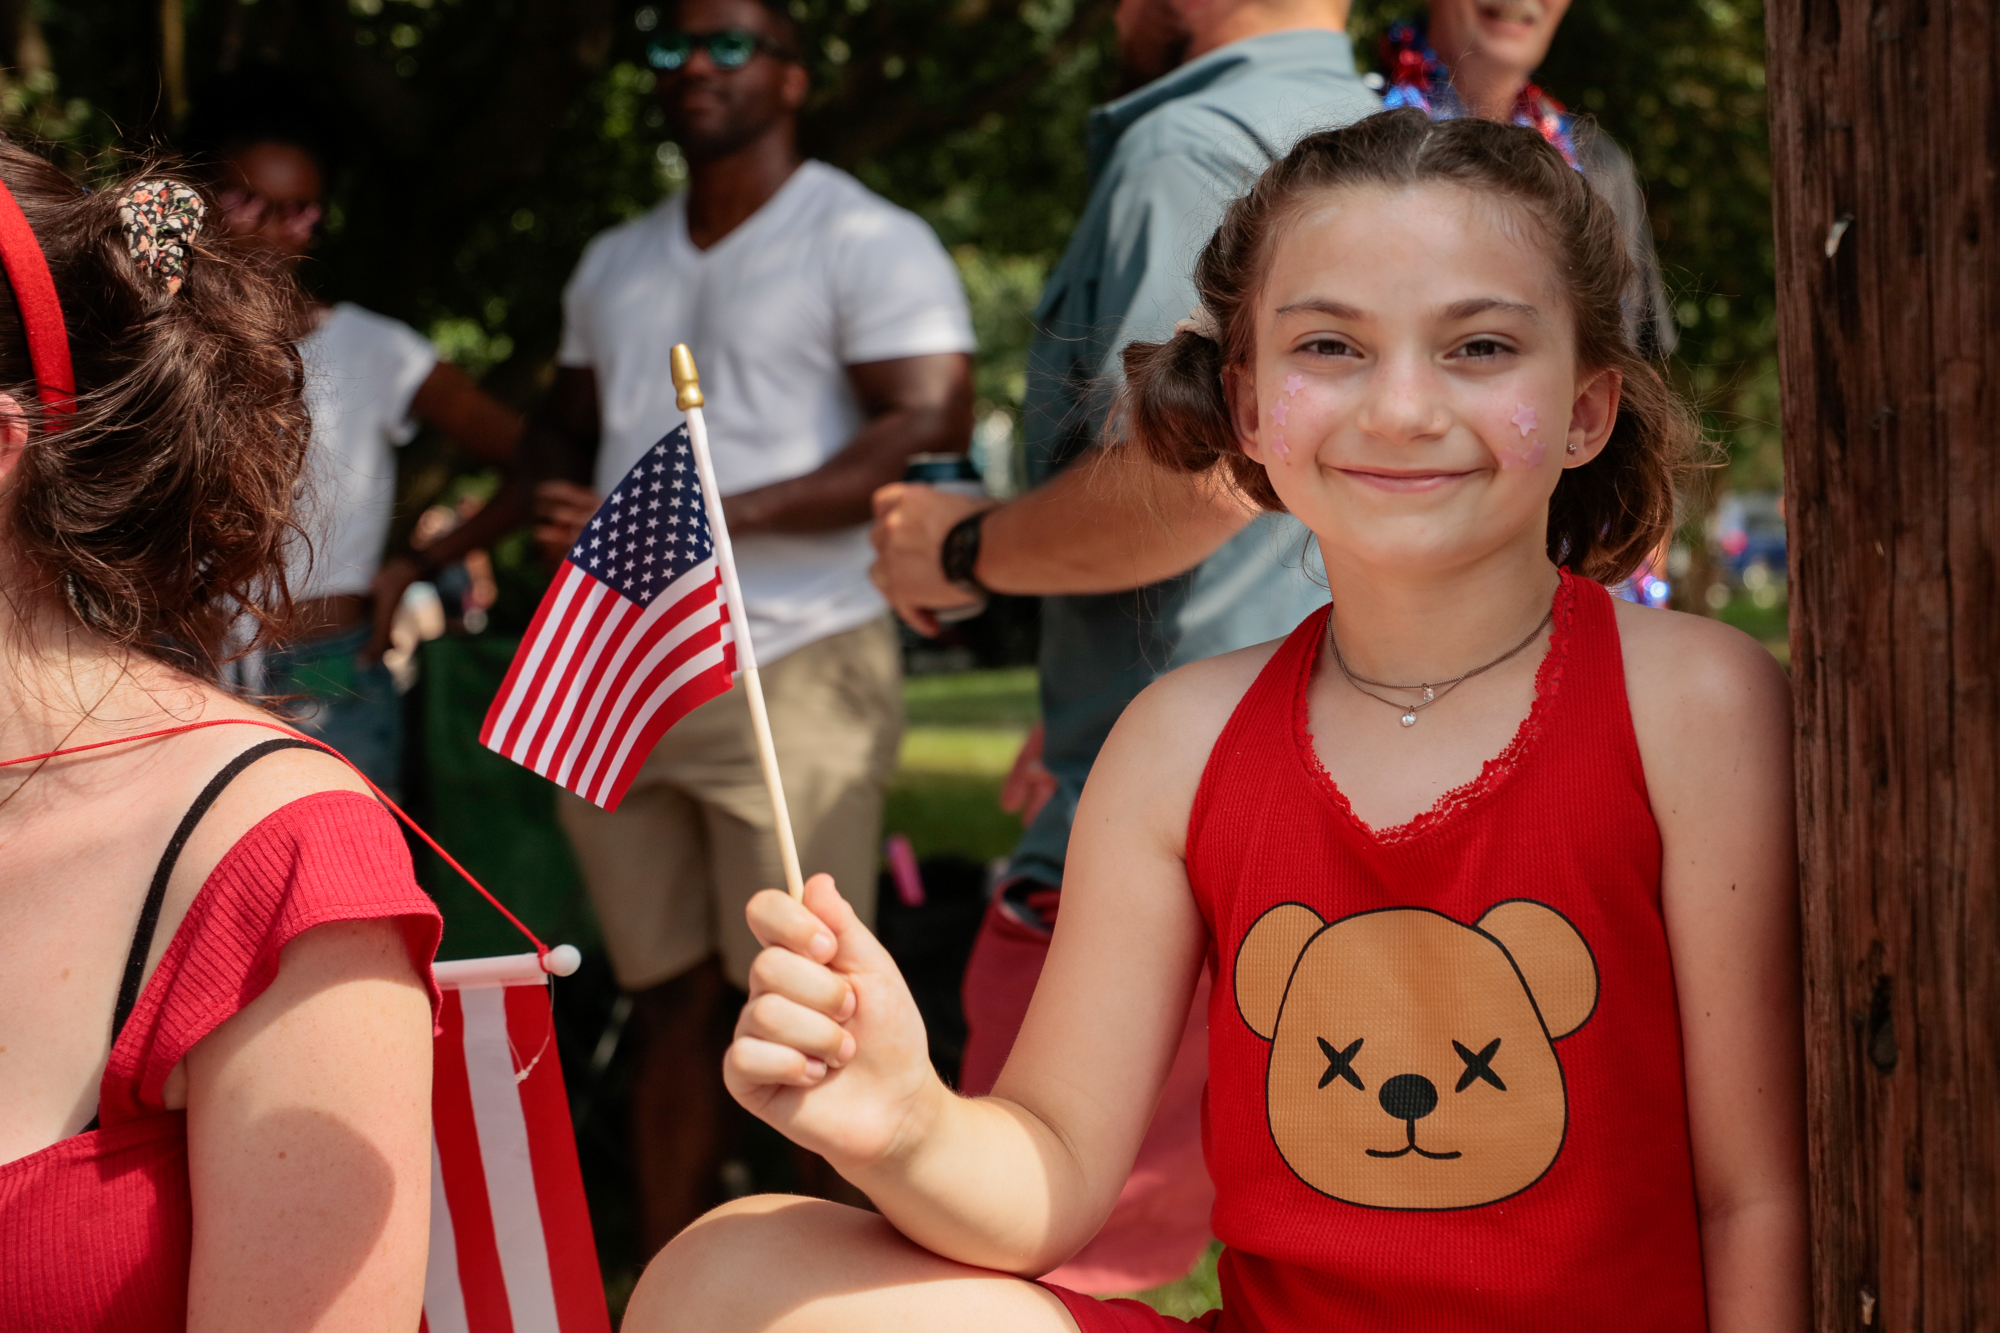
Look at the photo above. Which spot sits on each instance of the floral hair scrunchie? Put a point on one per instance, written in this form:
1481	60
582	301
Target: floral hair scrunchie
161	219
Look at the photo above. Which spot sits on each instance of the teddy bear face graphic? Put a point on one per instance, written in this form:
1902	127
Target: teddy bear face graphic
1413	1061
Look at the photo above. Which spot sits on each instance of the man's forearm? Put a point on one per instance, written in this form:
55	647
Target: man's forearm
507	510
1112	521
836	494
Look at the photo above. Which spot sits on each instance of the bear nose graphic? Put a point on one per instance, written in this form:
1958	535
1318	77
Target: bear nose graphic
1409	1096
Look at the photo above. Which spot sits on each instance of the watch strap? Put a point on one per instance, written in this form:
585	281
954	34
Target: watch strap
959	555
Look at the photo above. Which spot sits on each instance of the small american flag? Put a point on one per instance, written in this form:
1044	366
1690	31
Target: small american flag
631	636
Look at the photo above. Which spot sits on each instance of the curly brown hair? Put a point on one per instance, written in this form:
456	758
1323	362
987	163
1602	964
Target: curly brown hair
1607	514
160	511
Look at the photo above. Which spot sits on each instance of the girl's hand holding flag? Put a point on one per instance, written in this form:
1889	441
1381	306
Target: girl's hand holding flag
830	1050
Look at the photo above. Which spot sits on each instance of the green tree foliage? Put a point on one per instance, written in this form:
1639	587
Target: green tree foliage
484	141
1682	87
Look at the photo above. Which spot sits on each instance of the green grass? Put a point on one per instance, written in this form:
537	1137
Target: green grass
964	731
1196	1294
1003	699
1762	622
982	752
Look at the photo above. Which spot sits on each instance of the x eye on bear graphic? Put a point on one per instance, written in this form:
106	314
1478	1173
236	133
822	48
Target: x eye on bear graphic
1413	1060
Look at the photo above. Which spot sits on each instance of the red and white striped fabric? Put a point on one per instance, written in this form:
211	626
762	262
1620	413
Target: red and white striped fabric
631	636
511	1245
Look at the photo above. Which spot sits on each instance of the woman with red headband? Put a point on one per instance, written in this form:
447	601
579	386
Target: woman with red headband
215	1001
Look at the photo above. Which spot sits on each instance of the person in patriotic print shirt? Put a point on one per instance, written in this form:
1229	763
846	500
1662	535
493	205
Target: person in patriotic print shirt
1478	58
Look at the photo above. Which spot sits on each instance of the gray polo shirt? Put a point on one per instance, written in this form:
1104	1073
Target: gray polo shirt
1165	161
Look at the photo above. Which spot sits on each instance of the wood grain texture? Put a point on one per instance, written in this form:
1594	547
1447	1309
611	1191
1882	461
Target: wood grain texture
1885	113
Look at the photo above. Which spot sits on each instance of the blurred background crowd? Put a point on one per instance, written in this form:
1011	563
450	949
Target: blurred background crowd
451	159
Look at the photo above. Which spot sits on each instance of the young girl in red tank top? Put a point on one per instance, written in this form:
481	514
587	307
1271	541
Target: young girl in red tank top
1493	873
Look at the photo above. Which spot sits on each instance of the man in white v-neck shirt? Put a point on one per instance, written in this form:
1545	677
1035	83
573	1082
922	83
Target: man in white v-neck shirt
833	341
824	276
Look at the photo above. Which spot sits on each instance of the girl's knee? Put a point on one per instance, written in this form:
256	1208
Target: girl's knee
777	1220
733	1267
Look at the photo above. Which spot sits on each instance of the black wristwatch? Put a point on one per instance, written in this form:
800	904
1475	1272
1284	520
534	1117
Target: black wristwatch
960	554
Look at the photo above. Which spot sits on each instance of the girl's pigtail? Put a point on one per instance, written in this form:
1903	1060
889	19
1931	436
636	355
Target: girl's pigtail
1175	401
1172	405
1176	408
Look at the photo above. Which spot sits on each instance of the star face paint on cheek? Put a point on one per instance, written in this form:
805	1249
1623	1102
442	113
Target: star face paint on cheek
1279	447
1528	455
1279	412
1294	383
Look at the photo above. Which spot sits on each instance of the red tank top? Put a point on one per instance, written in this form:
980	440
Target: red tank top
95	1230
1445	1086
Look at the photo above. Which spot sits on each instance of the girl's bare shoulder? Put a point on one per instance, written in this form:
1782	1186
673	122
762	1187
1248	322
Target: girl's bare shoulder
1163	739
1694	658
1692	681
176	765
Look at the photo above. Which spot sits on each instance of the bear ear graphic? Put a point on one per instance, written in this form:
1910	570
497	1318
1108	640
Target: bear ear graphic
1265	959
1553	958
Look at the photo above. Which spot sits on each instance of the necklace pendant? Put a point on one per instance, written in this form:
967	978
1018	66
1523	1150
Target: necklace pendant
1410	718
1429	694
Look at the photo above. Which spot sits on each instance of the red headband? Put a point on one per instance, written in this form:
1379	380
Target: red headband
41	313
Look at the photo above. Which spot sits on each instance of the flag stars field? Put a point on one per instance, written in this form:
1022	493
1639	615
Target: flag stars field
626	641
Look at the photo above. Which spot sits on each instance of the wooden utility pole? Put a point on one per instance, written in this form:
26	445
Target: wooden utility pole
1883	124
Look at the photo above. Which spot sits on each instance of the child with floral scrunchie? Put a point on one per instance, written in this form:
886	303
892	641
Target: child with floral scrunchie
216	1000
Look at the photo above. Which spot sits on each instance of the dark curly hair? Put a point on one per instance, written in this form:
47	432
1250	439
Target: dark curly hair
161	509
1607	514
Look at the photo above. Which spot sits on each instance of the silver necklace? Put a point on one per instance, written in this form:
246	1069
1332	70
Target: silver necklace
1428	692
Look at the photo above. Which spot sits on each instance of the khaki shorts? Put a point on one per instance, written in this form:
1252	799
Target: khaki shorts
670	870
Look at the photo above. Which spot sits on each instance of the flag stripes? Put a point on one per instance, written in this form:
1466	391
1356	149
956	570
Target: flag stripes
588	724
572	1247
444	1301
503	1156
644	668
511	1244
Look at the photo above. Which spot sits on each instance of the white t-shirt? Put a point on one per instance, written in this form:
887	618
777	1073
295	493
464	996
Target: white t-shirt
362	370
824	276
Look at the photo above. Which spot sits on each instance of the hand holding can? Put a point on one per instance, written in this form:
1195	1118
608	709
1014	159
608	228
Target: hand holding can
950	474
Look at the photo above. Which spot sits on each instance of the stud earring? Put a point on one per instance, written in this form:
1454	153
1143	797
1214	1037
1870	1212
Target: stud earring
1570	447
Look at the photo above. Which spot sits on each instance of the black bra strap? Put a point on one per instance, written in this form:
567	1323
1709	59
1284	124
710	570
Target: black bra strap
156	895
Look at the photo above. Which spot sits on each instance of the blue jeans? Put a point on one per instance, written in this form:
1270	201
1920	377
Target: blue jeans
325	691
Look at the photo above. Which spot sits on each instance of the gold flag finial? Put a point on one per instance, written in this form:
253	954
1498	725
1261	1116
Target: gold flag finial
687	384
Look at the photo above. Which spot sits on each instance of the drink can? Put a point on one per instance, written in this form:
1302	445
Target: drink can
953	474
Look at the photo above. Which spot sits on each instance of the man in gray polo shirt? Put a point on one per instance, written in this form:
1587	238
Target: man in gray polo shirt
1165	161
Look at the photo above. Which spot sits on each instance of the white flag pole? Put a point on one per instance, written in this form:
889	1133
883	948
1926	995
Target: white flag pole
687	393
